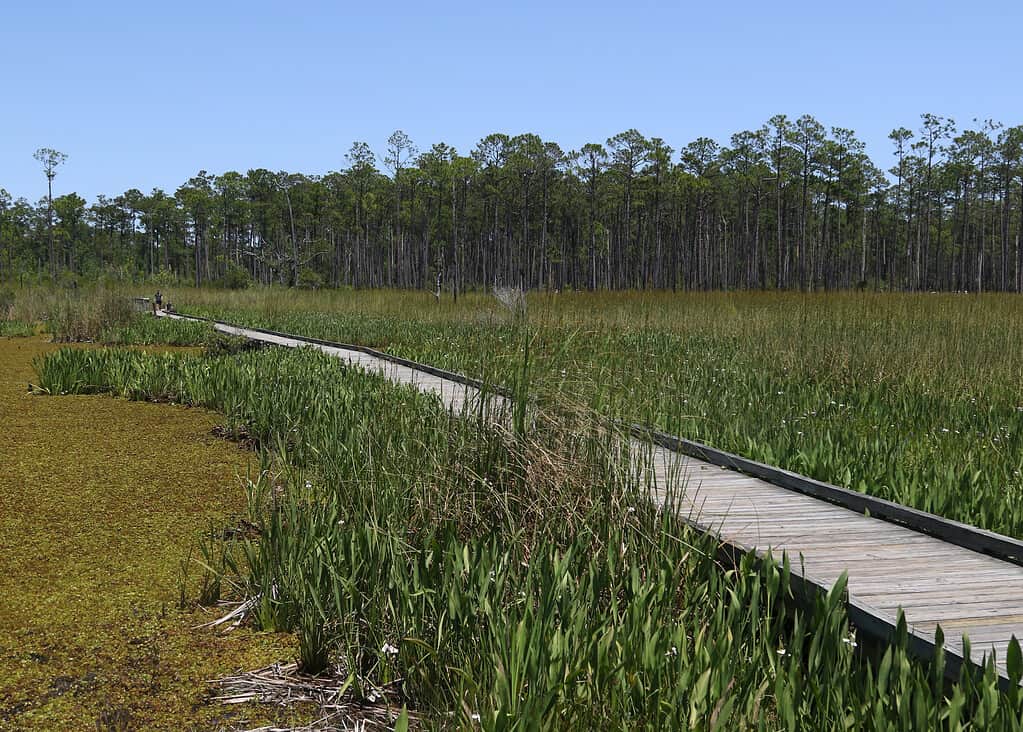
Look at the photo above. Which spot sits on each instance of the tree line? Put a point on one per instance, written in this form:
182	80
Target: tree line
791	205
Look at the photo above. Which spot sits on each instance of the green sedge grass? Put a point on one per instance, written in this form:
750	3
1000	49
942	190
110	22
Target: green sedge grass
513	580
912	398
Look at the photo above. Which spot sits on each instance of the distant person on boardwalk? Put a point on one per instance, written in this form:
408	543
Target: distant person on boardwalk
158	302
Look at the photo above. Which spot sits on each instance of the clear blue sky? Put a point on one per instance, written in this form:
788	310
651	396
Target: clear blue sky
146	94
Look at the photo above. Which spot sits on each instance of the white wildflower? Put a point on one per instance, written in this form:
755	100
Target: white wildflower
389	649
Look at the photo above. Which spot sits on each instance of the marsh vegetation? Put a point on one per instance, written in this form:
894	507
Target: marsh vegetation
913	398
514	579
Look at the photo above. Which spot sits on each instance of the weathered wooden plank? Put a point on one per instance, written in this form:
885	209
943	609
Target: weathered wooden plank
921	593
920	550
781	529
1009	596
960	626
862	537
843	553
939	576
998	636
772	514
760	498
878	567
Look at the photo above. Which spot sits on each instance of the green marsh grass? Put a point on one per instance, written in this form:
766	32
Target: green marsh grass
93	312
16	329
514	580
913	398
145	330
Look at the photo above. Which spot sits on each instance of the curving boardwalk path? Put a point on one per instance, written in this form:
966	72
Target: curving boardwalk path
933	580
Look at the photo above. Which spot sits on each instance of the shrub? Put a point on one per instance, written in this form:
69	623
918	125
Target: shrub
309	279
165	277
236	277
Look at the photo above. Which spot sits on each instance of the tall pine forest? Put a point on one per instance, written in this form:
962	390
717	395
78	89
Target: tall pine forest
792	205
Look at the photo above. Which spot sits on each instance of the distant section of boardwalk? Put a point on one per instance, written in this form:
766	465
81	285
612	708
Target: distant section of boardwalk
890	567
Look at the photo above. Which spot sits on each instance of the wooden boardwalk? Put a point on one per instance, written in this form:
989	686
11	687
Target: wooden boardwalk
890	567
